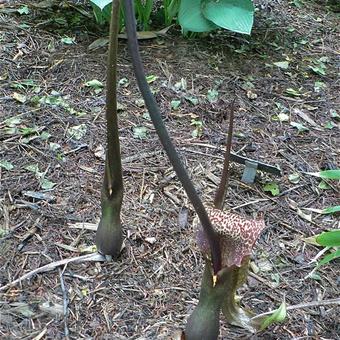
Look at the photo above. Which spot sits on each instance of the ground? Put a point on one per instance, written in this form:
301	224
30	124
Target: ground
285	84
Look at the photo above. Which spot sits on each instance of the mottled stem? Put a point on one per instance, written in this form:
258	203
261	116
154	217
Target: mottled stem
109	232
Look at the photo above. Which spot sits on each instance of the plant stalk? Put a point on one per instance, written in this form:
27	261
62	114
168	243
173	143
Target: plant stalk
109	233
163	135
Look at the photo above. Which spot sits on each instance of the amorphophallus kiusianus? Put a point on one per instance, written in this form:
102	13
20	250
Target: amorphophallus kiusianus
237	237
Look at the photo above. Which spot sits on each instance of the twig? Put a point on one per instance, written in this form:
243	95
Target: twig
302	306
53	265
65	302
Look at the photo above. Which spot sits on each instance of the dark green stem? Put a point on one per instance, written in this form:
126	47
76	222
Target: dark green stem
156	118
204	322
109	233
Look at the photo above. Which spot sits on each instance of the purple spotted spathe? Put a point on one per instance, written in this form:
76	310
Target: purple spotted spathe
237	235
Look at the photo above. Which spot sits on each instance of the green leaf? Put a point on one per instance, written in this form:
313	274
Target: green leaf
299	126
329	125
77	132
294	178
175	104
331	210
282	64
234	15
334	114
283	117
6	165
327	174
319	86
192	100
273	188
12	122
140	132
46	184
101	3
191	18
279	315
151	78
329	258
292	92
212	96
33	168
96	84
324	185
54	146
329	238
68	40
19	97
320	69
45	135
23	10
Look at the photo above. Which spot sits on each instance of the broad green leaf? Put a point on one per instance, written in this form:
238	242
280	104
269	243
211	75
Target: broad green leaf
101	3
234	15
191	18
329	238
6	165
329	258
273	188
282	64
327	174
331	210
279	315
140	132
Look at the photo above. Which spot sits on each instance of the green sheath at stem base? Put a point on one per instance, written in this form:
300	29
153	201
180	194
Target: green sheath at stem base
203	324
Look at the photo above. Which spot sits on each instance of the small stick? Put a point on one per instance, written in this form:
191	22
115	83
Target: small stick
302	306
221	191
65	302
53	265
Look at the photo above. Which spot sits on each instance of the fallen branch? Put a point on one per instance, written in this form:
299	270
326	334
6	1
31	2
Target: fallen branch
53	265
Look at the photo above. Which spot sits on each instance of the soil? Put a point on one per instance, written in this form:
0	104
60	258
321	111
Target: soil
285	115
